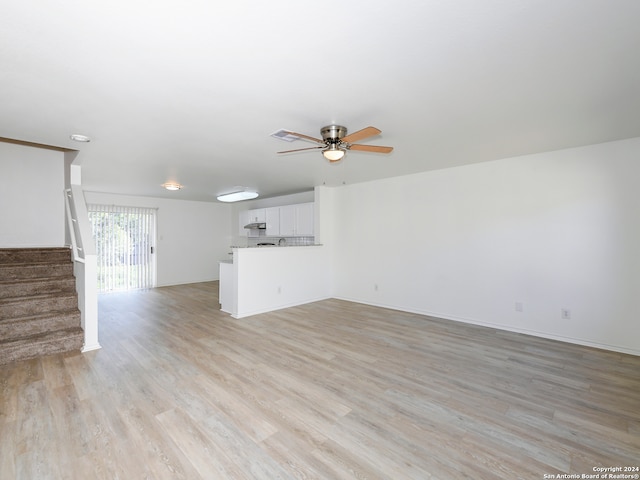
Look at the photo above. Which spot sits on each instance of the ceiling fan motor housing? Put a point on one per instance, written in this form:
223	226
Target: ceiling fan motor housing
333	133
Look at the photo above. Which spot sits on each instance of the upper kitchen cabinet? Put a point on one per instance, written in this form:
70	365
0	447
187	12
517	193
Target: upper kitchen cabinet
250	216
296	220
257	215
272	219
286	221
304	219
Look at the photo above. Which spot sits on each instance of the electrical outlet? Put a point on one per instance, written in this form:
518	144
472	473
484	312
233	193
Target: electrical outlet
565	313
519	307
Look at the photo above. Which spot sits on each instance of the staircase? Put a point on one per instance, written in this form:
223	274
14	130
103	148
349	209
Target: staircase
38	304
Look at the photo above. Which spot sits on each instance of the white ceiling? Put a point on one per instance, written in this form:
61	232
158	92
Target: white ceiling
190	90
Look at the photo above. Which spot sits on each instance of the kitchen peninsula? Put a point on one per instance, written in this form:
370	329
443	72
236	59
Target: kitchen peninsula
267	278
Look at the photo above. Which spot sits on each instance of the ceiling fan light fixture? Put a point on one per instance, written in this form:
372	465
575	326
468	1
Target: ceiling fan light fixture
237	196
333	153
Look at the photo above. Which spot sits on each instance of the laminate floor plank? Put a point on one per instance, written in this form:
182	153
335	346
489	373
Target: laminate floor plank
234	406
208	458
109	444
8	449
247	457
36	456
297	457
10	380
55	372
329	390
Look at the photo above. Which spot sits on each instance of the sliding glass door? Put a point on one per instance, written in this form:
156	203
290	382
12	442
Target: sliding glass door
125	243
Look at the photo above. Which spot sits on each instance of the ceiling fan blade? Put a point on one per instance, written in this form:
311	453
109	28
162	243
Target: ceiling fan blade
360	134
304	137
302	149
371	148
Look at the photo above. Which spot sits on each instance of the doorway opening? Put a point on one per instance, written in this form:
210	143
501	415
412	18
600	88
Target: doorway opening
125	239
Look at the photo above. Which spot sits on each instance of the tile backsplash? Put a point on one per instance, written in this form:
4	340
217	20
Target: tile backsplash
290	241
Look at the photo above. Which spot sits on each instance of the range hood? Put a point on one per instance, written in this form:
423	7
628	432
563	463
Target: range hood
256	226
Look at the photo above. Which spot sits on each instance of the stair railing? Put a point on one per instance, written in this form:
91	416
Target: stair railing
85	264
72	222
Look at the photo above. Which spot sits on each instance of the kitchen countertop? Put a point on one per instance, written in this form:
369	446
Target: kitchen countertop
278	246
229	261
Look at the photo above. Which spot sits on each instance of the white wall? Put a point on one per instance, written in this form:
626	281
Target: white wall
31	198
551	231
278	277
192	236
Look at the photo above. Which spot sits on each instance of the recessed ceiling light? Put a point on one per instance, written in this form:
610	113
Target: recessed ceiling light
172	186
237	196
76	137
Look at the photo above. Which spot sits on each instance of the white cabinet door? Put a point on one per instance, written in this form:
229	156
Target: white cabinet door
272	218
304	220
288	220
296	220
257	215
250	216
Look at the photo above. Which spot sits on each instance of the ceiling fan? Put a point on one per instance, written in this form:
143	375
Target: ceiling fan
335	142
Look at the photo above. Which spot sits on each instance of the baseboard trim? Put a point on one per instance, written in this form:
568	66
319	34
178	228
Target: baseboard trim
189	282
90	348
279	307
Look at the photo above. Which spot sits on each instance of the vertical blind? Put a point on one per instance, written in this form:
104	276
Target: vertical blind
125	240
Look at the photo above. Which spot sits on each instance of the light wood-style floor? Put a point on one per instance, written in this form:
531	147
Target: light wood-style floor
330	390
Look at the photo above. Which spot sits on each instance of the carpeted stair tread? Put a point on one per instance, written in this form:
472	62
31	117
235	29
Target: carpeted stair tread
29	325
39	296
34	255
36	286
34	304
20	271
42	344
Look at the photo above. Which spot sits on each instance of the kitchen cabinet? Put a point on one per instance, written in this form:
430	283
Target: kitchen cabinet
286	221
272	219
257	215
296	220
304	219
245	217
